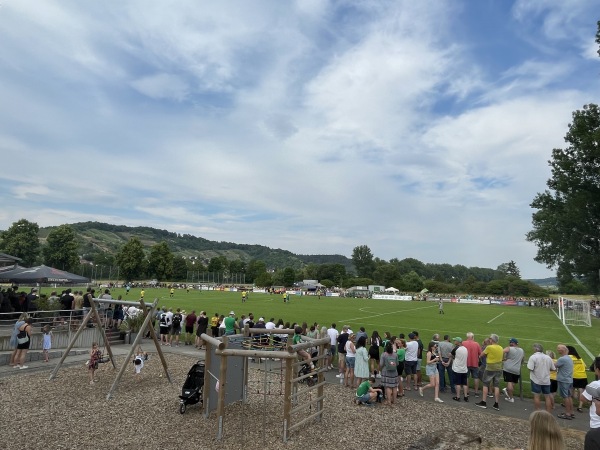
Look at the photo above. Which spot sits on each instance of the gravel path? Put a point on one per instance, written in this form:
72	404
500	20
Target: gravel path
68	413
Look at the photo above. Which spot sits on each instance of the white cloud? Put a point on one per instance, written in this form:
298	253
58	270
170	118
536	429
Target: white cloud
310	126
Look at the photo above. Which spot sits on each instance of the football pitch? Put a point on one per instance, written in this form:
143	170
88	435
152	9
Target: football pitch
527	324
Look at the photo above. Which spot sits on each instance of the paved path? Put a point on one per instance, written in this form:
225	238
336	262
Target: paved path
520	409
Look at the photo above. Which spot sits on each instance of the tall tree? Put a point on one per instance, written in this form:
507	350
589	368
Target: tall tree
180	270
131	259
363	261
21	240
509	269
566	225
255	268
61	247
160	261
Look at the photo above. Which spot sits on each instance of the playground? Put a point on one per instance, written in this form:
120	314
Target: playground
69	413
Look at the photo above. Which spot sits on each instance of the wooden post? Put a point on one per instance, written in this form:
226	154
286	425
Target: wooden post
222	390
138	338
101	328
71	344
287	399
155	339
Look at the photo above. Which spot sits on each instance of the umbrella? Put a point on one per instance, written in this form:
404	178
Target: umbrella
40	274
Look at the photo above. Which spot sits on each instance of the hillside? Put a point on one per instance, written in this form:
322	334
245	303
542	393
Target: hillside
96	237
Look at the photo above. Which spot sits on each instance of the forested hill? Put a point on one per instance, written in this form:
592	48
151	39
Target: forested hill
96	237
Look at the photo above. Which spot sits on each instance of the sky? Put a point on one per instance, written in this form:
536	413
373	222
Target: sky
422	129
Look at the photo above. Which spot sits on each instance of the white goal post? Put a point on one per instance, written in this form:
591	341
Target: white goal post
572	312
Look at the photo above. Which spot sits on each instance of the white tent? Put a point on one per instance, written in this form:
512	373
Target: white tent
391	289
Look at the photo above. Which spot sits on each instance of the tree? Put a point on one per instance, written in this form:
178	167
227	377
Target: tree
21	240
61	247
509	269
363	261
160	261
131	259
180	268
264	280
566	225
289	276
255	268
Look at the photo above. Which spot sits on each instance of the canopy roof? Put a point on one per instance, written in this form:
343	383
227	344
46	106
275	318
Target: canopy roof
40	274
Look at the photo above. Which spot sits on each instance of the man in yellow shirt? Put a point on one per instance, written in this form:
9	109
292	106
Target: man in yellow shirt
493	371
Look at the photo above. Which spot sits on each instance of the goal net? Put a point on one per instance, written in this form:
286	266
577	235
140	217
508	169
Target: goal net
573	312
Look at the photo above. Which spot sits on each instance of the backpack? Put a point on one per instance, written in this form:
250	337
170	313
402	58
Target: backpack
391	362
163	319
177	320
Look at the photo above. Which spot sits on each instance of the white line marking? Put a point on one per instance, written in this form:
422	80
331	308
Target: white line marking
495	317
592	356
387	313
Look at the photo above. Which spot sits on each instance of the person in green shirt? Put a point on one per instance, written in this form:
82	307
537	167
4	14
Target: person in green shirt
297	339
230	324
366	393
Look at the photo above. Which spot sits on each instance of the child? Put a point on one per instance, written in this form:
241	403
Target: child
302	353
47	344
138	361
95	357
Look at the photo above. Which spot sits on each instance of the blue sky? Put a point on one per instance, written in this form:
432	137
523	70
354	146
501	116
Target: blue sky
421	129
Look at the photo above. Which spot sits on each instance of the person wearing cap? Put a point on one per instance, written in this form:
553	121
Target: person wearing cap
458	360
230	324
493	370
511	368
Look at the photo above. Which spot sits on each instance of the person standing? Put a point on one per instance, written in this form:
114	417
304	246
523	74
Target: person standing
474	352
190	321
389	373
361	365
492	372
374	352
564	380
332	332
214	325
540	365
350	360
445	348
441	306
432	358
23	343
580	380
419	358
201	329
592	394
47	342
458	360
410	361
230	324
341	347
511	368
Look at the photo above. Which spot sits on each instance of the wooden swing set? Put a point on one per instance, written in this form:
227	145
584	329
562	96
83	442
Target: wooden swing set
148	311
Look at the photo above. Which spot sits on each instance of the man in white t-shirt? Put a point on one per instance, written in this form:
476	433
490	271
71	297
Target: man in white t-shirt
333	335
410	360
540	365
592	394
458	360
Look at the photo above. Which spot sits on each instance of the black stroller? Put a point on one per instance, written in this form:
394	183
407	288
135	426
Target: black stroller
193	388
305	370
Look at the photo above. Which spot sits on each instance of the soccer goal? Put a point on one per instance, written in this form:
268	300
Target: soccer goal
573	312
